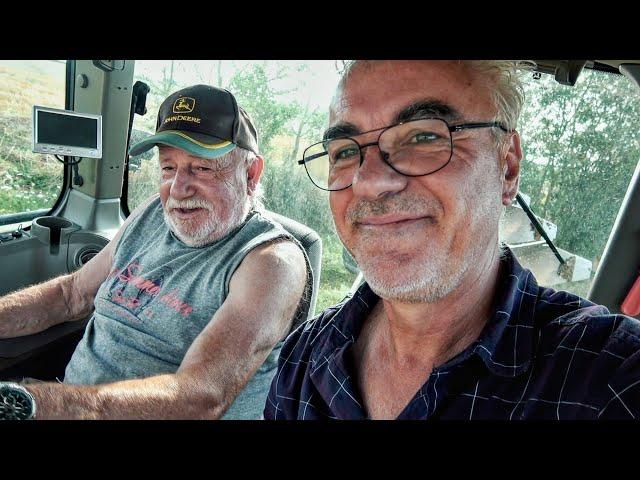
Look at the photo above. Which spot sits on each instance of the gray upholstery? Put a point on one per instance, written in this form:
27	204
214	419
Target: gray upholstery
312	243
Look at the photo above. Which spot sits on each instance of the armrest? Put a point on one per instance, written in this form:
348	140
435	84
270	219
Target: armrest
15	347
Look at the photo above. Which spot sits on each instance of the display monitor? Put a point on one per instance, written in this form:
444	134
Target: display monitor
67	133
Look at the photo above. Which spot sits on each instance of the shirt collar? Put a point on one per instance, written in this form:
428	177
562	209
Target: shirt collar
505	344
329	358
507	341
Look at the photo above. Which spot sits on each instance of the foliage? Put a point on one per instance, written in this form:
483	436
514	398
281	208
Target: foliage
254	91
28	181
581	148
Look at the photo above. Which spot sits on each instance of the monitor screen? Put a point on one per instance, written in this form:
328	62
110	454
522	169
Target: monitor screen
68	133
60	129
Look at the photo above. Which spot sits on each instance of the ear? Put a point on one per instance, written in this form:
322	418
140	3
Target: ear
254	172
511	156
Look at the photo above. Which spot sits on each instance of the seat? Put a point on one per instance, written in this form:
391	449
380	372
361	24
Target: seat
312	244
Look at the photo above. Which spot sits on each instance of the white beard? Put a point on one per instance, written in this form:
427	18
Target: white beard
204	232
429	275
422	280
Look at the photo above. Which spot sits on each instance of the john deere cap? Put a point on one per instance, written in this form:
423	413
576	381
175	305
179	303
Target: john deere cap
203	120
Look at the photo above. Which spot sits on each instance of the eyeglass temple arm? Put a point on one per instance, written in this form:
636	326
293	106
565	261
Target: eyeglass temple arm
539	227
457	128
311	157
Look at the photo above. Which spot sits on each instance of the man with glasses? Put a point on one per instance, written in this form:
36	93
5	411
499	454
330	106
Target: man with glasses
420	160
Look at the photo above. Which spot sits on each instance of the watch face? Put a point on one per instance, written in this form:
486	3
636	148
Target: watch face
15	404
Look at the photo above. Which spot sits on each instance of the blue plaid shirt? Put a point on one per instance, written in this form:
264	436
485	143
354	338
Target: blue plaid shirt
544	354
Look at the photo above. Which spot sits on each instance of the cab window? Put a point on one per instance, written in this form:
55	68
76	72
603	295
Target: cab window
30	183
580	147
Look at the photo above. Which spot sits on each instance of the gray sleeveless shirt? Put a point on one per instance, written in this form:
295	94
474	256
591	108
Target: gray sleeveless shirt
157	299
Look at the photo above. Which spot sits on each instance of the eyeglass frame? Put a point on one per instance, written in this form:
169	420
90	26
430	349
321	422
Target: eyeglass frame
385	155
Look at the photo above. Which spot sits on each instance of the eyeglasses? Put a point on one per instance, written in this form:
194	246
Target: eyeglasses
414	148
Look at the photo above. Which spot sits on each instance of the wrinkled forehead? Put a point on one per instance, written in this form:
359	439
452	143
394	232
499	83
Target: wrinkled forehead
375	93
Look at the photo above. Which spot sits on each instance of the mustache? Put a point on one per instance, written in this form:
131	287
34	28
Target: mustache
189	203
406	204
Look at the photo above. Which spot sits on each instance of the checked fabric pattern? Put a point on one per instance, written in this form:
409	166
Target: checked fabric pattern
544	354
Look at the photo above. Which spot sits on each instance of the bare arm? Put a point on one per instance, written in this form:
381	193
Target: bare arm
62	299
263	296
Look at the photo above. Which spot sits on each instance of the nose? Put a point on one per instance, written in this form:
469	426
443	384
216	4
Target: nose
182	184
375	178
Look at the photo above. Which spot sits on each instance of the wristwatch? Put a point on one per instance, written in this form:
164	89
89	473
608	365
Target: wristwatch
16	403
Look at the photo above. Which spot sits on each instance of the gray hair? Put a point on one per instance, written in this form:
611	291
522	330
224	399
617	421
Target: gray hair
503	80
506	88
248	157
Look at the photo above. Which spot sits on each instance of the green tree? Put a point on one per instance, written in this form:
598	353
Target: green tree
159	89
308	125
254	89
580	147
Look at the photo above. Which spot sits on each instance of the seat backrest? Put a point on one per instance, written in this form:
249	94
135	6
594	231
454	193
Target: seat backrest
312	244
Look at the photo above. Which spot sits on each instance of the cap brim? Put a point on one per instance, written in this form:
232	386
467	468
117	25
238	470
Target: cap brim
196	144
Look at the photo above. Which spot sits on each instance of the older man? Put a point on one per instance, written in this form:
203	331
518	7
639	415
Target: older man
420	159
193	295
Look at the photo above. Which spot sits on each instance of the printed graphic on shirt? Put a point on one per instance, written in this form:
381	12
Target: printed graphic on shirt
134	290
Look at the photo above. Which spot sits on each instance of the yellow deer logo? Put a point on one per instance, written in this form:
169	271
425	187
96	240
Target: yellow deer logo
184	105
